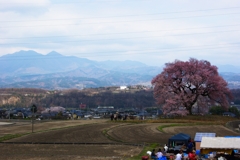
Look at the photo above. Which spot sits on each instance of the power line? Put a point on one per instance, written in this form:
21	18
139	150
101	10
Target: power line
125	15
119	21
162	50
67	2
158	52
121	38
182	29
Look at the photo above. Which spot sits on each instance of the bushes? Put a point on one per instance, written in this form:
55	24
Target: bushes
216	110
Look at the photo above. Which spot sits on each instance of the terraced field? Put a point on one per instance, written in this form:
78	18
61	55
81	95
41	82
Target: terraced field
91	133
90	139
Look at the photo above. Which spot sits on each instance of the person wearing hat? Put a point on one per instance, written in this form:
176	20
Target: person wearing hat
192	155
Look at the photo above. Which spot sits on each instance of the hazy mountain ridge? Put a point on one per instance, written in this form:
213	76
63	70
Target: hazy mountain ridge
54	71
31	62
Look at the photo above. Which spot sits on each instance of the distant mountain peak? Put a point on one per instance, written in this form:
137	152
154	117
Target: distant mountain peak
26	53
54	53
22	54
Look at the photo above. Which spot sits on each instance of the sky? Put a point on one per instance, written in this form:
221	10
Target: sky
154	32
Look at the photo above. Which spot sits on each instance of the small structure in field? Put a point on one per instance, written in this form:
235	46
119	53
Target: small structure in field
198	138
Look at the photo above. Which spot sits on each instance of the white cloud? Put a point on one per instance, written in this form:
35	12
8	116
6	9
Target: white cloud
16	5
152	32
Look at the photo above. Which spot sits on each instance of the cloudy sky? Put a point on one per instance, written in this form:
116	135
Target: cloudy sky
150	31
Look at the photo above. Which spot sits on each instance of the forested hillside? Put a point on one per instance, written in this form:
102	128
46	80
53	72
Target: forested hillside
137	97
110	96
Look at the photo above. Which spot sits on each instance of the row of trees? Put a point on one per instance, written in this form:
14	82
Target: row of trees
218	110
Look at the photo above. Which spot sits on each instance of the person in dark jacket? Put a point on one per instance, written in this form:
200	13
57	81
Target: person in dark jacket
153	155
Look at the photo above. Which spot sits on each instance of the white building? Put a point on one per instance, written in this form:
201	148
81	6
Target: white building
123	88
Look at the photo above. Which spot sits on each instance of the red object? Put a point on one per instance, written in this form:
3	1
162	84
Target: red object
192	156
145	157
82	106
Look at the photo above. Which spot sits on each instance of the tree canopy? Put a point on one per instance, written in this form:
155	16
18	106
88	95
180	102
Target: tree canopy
182	85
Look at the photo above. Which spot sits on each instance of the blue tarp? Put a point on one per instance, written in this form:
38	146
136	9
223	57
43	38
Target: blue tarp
232	136
199	135
181	137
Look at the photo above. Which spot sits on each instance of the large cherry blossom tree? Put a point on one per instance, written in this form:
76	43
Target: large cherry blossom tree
182	85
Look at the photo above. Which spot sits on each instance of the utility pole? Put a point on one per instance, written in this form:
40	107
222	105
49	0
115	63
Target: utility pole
32	123
9	113
9	110
34	110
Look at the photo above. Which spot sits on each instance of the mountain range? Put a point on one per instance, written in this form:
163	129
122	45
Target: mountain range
29	69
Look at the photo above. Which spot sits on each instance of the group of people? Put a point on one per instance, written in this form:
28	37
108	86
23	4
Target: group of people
190	156
161	154
190	153
118	116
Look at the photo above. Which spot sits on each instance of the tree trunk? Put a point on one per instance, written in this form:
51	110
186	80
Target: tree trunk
189	108
190	111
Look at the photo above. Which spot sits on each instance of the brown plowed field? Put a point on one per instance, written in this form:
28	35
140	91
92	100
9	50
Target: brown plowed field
220	131
148	132
140	133
63	152
90	131
24	127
